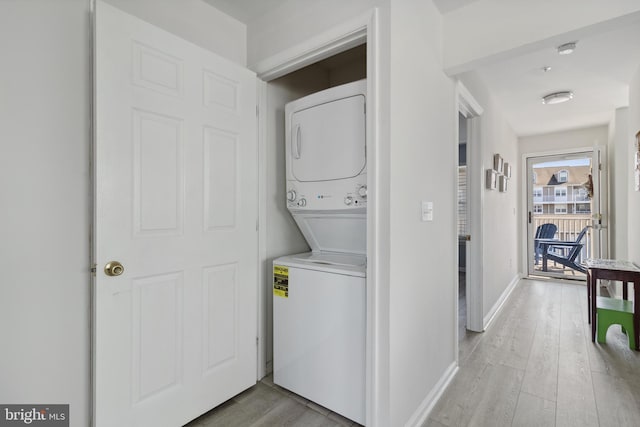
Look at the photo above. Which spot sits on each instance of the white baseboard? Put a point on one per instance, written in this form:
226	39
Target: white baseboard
422	413
503	298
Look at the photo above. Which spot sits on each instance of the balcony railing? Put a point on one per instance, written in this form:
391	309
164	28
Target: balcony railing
561	199
569	226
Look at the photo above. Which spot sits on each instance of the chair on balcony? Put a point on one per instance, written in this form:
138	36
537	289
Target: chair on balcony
543	231
567	252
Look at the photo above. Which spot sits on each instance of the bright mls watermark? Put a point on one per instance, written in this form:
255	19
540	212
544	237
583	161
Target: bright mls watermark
34	415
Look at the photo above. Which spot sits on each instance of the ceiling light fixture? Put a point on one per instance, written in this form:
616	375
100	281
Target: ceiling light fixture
557	97
546	69
567	48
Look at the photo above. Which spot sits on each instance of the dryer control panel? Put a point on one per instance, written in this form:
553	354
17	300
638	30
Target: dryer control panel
327	196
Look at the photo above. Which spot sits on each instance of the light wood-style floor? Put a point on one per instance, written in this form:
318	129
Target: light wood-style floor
534	366
268	405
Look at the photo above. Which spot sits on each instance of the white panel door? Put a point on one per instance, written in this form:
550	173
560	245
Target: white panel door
176	203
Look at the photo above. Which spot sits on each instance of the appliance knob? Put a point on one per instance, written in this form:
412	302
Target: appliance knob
302	203
362	191
348	200
291	195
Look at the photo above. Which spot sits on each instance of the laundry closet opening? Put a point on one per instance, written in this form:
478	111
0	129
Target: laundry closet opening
316	200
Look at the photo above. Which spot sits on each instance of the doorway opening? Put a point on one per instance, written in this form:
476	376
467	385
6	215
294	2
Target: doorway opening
365	32
463	226
469	226
564	215
282	234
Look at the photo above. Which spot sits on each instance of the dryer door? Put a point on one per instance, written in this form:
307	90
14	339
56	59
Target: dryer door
327	141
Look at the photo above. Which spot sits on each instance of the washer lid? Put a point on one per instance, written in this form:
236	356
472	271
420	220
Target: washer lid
332	258
337	263
334	232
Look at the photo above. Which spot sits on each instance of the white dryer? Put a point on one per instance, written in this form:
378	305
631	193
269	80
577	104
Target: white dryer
326	167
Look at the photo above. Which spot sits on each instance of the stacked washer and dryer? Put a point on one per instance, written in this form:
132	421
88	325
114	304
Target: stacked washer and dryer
319	317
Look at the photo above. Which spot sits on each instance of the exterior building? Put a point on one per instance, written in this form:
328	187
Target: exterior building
560	190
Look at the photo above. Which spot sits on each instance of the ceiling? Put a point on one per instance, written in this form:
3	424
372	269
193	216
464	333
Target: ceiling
445	6
245	10
598	73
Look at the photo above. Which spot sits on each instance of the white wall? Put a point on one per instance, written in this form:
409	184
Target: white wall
44	220
522	25
195	21
294	21
422	159
45	191
557	141
633	196
500	217
619	182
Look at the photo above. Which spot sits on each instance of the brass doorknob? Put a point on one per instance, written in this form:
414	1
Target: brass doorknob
113	268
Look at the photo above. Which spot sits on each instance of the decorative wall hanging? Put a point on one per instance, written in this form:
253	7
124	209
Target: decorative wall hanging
492	178
498	163
503	183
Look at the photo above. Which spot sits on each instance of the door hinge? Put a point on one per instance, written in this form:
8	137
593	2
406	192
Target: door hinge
530	217
93	269
257	341
257	110
600	166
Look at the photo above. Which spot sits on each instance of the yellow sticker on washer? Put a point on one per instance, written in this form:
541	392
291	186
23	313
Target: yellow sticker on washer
281	281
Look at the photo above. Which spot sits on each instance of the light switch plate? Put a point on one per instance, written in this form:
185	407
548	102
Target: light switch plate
427	211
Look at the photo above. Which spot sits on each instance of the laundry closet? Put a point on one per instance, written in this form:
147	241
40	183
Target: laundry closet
316	196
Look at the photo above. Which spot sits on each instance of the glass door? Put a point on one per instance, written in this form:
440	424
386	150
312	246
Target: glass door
564	220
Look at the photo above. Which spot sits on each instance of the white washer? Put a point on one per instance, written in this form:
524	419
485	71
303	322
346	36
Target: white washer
319	329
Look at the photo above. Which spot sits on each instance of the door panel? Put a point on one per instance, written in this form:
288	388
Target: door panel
158	174
176	203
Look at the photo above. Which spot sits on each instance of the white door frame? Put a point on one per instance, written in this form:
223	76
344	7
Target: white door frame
471	109
363	29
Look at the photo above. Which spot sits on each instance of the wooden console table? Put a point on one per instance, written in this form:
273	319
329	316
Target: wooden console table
611	269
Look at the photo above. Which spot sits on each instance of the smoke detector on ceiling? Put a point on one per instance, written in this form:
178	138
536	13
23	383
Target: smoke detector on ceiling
567	48
557	97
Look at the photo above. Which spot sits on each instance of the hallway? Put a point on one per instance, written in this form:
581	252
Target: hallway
536	366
